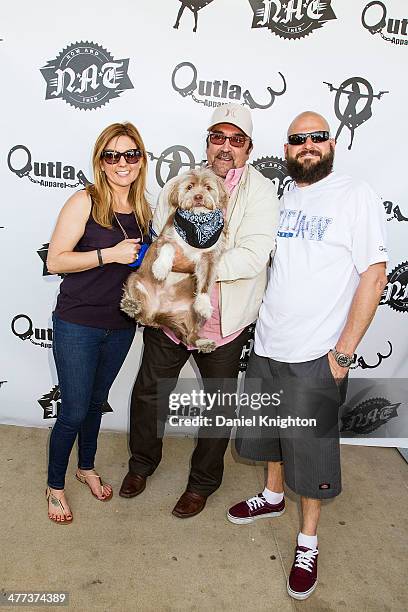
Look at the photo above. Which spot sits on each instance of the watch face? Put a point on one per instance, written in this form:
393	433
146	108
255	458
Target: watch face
343	360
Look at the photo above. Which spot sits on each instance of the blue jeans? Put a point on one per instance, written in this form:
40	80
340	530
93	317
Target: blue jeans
88	360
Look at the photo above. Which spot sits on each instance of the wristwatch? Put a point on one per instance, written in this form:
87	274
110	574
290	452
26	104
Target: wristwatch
342	359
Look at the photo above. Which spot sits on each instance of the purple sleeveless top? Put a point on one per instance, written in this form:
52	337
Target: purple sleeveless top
92	297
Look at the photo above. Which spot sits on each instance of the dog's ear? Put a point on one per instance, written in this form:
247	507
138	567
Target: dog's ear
223	193
173	194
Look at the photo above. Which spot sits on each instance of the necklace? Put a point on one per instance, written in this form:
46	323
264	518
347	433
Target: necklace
123	229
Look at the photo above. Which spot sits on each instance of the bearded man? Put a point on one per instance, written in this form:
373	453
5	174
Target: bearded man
326	280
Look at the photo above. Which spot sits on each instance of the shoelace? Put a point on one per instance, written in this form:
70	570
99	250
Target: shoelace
255	502
305	559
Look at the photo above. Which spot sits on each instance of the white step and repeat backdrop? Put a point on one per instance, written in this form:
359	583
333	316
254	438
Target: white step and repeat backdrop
70	69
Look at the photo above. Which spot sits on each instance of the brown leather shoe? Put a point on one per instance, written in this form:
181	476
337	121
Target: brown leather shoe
132	485
189	504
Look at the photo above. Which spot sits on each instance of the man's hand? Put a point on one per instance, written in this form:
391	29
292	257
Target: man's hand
181	263
338	372
362	310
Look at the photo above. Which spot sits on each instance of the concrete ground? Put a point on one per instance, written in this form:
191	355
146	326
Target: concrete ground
133	555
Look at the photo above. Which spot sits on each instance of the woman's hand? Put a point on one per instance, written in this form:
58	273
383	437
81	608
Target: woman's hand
124	252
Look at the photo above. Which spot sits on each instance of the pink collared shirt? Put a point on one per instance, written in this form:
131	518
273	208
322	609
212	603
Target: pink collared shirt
212	327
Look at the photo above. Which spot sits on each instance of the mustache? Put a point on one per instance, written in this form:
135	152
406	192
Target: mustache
224	155
306	151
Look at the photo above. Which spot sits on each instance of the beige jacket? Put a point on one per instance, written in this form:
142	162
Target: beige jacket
252	218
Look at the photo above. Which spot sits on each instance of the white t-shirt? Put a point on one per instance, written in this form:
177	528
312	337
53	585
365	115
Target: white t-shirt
329	233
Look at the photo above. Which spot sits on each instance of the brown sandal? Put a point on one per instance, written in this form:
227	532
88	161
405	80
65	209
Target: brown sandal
83	478
56	501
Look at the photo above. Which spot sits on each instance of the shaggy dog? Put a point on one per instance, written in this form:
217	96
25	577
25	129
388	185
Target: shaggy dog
156	296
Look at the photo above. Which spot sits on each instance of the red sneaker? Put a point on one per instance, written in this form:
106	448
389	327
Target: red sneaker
303	575
254	508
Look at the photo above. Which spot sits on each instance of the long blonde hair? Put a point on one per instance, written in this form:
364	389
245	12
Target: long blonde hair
101	192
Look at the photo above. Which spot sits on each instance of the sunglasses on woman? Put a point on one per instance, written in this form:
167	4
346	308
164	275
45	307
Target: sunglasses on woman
131	156
316	137
217	138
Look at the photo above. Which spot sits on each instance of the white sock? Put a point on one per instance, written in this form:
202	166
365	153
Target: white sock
306	540
272	497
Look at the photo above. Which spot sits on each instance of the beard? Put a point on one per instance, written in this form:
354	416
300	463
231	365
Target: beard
222	166
309	171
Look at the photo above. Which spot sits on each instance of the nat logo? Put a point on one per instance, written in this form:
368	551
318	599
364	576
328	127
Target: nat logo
51	403
292	18
43	253
275	169
394	212
395	294
86	76
369	416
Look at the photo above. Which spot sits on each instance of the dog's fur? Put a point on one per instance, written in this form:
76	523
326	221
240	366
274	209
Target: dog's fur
156	296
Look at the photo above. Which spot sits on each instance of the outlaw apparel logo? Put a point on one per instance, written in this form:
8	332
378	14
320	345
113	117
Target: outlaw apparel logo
369	416
170	163
51	403
293	18
22	327
19	161
352	104
374	19
395	293
361	362
204	92
275	169
86	76
194	6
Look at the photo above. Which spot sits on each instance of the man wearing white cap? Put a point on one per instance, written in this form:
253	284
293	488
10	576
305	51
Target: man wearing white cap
252	216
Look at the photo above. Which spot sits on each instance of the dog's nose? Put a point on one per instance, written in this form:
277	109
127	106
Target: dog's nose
198	197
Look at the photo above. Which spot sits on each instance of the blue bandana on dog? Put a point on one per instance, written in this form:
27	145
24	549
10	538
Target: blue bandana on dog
199	231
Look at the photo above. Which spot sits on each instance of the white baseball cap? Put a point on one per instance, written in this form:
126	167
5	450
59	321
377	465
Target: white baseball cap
236	114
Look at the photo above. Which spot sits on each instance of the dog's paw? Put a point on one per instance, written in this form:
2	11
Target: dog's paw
160	270
205	345
202	305
130	307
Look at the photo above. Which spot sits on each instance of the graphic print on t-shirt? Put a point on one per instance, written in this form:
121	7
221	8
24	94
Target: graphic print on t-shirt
295	224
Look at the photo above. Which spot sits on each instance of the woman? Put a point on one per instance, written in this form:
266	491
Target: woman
98	232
